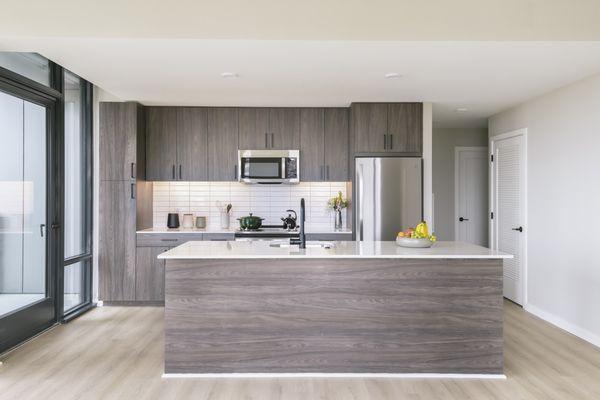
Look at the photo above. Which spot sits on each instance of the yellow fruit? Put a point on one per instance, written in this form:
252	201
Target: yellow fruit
400	234
432	238
422	229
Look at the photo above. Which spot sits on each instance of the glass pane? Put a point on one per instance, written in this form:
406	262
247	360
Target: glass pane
74	285
75	168
30	65
22	203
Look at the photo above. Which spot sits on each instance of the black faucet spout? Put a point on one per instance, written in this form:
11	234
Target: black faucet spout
301	241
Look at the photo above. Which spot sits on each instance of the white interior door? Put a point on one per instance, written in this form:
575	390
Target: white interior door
471	195
508	205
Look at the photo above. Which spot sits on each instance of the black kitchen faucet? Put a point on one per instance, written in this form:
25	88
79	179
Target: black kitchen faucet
301	240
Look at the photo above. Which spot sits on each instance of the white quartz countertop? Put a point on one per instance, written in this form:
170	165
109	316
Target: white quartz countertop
308	228
262	249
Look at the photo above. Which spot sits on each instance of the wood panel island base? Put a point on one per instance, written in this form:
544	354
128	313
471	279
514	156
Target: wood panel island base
357	308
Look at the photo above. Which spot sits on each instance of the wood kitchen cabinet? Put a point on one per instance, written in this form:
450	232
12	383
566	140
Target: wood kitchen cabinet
336	144
122	127
312	151
284	126
117	240
387	127
150	274
405	127
192	144
222	144
254	131
324	144
161	144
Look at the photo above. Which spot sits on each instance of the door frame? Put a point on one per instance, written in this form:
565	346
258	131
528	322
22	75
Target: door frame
26	322
492	203
457	151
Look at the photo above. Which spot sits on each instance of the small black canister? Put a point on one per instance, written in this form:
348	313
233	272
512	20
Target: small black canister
173	220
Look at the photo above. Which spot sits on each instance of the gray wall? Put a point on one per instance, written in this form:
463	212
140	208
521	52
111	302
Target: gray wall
563	192
444	143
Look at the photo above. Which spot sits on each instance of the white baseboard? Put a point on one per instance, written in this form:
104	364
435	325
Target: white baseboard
564	325
336	375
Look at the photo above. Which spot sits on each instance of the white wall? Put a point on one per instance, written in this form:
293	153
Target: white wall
444	143
563	200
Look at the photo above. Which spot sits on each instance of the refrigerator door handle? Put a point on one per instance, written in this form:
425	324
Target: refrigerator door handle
359	179
377	184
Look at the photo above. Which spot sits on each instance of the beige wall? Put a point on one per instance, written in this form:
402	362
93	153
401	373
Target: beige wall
444	143
563	190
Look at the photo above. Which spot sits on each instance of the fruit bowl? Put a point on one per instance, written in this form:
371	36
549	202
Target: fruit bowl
413	243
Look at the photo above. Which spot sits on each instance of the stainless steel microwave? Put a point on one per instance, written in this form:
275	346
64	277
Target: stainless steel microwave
269	166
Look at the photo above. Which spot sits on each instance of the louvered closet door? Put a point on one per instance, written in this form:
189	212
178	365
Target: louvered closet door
509	201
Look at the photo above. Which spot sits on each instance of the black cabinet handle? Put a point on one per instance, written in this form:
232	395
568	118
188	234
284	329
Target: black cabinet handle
461	219
321	173
173	171
168	240
180	174
133	170
384	142
391	141
133	190
520	229
235	172
266	140
327	172
272	140
42	226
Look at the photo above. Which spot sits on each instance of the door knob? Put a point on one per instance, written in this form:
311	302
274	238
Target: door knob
520	229
461	219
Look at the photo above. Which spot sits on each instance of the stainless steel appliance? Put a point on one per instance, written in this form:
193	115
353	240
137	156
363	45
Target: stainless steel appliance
388	196
269	166
266	232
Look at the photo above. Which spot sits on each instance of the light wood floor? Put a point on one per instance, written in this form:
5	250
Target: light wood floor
117	353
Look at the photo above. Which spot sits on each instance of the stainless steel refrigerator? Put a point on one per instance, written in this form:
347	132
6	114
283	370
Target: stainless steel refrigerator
388	196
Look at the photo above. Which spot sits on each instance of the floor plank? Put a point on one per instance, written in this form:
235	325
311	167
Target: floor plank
117	353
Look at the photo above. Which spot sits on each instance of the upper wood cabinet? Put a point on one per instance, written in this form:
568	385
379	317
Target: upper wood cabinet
222	144
254	128
324	144
405	127
312	151
192	143
269	128
122	135
161	144
177	143
336	144
284	126
387	127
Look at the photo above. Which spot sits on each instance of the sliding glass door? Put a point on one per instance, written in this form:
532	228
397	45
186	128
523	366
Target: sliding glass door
27	290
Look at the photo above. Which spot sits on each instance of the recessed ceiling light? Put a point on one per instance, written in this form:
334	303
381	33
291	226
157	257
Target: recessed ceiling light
229	75
462	110
392	75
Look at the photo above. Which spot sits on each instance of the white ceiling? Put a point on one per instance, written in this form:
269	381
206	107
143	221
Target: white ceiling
484	77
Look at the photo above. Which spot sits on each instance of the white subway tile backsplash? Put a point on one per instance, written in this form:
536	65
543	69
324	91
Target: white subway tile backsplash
269	202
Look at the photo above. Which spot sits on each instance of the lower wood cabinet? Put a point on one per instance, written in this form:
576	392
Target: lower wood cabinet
149	274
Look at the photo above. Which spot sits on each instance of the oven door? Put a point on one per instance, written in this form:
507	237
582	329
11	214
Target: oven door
262	169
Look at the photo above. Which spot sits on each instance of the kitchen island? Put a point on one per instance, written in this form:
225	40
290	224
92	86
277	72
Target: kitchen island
353	308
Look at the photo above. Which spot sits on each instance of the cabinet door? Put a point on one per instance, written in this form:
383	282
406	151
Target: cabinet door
312	153
369	122
192	142
116	262
118	131
336	144
254	129
405	127
222	144
150	274
284	126
161	143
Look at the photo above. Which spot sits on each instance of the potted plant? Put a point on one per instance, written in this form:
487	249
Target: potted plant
337	204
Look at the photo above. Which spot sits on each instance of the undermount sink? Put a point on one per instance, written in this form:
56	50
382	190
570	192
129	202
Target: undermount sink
310	244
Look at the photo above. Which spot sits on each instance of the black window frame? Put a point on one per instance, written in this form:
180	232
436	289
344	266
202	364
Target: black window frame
54	95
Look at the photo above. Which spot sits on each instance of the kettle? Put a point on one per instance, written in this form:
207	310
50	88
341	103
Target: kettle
290	222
